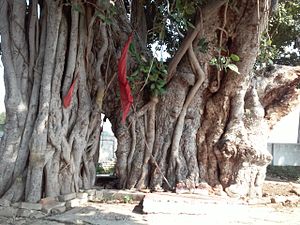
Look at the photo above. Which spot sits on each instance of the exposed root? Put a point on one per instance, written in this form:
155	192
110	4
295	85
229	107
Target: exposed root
133	145
209	9
175	162
222	30
150	137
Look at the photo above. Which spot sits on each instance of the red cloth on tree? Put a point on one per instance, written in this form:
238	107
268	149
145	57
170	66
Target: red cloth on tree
68	97
125	92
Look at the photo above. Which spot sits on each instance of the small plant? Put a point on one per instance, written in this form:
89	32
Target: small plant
267	52
127	199
154	73
226	62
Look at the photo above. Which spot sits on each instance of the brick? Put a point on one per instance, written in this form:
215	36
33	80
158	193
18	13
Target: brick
29	205
48	200
49	207
67	197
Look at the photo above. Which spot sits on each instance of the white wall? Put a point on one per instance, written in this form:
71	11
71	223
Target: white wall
286	131
2	89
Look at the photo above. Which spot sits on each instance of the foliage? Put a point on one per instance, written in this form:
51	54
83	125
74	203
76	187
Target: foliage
127	199
2	117
267	52
154	73
172	19
101	170
284	172
284	30
226	62
104	11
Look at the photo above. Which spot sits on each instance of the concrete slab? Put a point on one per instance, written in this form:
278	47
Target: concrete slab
30	206
170	203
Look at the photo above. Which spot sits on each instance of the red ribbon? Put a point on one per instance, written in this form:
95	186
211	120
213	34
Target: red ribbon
68	97
125	91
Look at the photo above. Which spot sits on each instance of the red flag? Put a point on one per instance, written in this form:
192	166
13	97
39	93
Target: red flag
68	97
125	92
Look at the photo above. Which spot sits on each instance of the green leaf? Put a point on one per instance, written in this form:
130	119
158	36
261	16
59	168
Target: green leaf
77	7
190	9
153	77
234	57
190	25
136	72
213	61
152	87
179	5
234	68
269	42
101	16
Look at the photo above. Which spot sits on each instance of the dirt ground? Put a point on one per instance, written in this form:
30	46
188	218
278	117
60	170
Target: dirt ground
283	182
280	205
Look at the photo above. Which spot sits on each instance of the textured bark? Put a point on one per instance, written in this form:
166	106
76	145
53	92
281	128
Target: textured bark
48	150
208	130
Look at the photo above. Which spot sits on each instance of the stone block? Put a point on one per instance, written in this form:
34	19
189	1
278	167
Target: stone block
84	200
67	197
122	195
92	198
4	202
59	210
29	205
188	204
73	203
8	211
82	195
47	208
99	195
278	199
26	212
91	192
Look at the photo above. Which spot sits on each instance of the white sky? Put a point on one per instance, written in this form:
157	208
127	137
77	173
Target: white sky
285	131
2	89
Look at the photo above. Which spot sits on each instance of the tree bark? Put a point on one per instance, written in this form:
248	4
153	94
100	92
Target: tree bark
208	131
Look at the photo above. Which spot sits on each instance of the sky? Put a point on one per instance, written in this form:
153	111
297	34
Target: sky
2	89
286	131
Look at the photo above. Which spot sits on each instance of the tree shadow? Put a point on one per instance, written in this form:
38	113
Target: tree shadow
100	213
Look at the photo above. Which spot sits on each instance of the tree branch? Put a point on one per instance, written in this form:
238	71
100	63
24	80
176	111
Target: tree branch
205	13
278	91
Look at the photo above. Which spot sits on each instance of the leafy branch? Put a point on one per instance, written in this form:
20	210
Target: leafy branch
226	62
153	72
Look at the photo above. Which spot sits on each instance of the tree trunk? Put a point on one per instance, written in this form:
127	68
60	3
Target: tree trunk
209	127
48	148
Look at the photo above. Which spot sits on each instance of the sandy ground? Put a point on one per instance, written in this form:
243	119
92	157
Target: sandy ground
263	213
123	214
